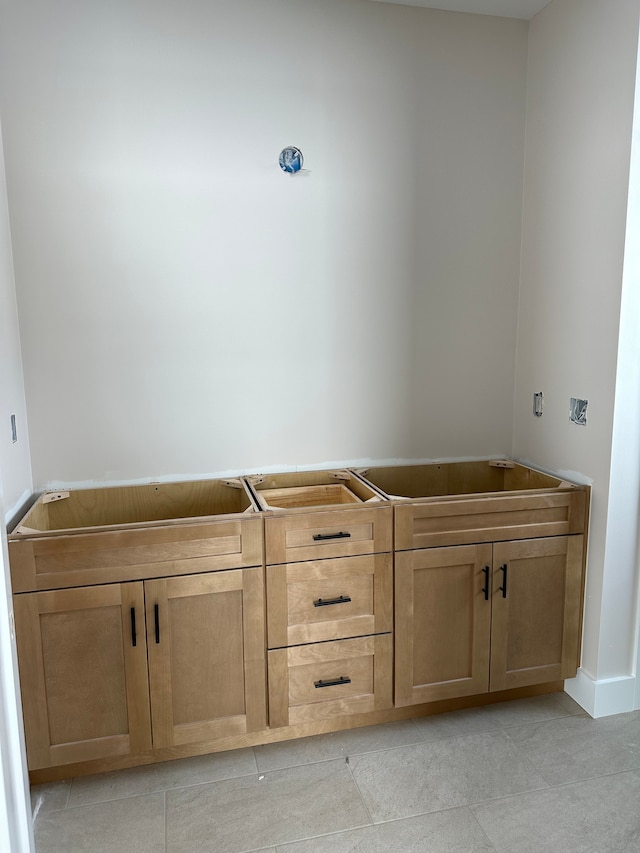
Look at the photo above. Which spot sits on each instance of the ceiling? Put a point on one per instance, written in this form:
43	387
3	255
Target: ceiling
508	8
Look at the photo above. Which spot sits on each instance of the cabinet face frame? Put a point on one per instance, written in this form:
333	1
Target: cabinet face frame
162	667
129	665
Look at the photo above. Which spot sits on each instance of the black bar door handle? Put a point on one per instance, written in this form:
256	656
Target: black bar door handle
486	583
134	638
332	682
320	537
504	568
156	616
326	602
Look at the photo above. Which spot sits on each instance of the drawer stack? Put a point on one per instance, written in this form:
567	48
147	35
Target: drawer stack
329	598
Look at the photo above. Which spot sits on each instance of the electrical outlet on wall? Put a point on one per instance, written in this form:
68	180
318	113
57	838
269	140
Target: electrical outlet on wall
578	411
538	402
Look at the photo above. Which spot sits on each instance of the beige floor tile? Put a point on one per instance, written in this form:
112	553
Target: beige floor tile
570	704
441	832
307	750
162	777
595	816
429	777
574	748
489	718
264	810
50	797
134	825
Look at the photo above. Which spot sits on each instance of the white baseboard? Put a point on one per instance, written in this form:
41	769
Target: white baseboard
604	697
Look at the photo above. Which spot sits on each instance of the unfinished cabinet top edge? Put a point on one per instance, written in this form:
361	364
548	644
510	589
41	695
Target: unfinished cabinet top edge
113	508
456	481
568	488
312	491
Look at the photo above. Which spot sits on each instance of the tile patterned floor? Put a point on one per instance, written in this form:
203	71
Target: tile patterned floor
531	776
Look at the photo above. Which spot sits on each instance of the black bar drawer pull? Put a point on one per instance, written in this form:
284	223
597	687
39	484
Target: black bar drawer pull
133	627
333	682
156	617
486	583
326	602
503	588
320	537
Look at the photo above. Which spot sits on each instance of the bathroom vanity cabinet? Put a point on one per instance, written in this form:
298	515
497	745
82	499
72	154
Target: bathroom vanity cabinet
488	577
167	620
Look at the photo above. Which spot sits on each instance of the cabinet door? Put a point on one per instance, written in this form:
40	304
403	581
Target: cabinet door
443	623
535	634
83	671
206	641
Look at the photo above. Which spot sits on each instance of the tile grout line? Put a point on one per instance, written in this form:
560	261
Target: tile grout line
492	846
357	787
520	794
161	790
166	824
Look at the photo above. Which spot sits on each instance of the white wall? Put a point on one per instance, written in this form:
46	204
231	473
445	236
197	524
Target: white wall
15	485
15	465
624	505
581	75
188	309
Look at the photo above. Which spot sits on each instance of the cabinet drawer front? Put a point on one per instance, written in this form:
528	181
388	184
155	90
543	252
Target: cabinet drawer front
322	535
324	680
329	599
333	679
111	556
488	519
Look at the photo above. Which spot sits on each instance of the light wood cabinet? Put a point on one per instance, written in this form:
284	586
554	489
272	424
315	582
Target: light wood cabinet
478	618
329	598
149	617
88	691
